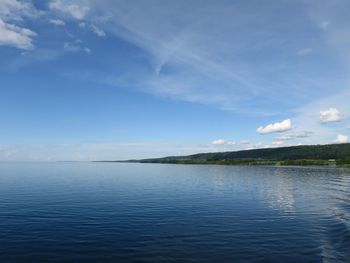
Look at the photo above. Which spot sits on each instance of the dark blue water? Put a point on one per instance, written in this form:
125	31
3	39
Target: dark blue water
110	212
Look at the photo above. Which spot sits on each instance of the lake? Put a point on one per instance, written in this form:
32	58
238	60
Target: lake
129	212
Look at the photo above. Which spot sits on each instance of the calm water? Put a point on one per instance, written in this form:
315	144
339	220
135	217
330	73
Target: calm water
110	212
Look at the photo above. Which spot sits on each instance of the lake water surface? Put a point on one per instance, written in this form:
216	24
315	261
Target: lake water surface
119	212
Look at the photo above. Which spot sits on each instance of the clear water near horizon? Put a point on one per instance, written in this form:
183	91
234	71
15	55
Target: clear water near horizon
122	212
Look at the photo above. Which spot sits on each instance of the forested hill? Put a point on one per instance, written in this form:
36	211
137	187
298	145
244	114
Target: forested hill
339	152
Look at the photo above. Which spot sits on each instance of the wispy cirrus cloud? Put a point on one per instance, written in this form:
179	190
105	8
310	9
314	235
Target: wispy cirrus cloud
304	51
233	65
202	68
98	31
194	61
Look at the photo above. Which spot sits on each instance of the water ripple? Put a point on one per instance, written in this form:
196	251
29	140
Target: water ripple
173	213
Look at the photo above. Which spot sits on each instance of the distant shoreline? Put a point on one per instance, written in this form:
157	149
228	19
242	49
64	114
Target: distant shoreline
303	155
304	163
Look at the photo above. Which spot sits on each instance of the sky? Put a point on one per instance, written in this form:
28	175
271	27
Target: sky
118	79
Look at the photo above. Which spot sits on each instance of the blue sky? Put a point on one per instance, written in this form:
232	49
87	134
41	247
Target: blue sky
113	79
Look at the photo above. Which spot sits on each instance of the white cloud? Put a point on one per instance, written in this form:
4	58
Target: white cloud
244	142
259	145
276	127
286	137
342	138
303	134
98	31
74	10
76	46
223	142
14	10
57	22
82	24
219	142
277	143
307	118
330	115
292	136
304	51
71	47
12	35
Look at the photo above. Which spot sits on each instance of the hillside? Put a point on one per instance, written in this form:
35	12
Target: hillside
293	155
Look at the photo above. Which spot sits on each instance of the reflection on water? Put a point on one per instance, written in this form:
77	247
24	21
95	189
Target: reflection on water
280	191
110	212
336	242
